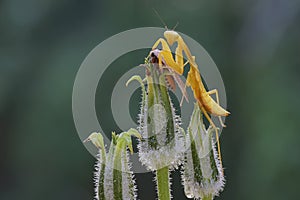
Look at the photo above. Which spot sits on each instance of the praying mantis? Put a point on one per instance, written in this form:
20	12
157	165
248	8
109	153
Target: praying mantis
203	97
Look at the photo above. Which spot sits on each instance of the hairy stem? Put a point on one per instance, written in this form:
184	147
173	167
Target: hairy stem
163	186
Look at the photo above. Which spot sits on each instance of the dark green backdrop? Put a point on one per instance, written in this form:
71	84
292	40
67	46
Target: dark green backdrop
255	44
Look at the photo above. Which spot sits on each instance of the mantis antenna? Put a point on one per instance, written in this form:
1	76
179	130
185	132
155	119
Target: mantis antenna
162	21
175	26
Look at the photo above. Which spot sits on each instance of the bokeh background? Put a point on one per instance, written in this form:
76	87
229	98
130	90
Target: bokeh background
255	44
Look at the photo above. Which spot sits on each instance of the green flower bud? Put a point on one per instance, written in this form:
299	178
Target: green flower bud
112	170
162	142
202	173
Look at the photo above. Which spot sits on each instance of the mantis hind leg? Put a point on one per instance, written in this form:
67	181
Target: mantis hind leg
217	135
215	91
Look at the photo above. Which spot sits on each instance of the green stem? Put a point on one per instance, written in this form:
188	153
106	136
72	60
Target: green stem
209	197
163	186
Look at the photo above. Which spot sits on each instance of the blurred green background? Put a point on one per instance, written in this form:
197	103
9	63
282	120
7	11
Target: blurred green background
255	44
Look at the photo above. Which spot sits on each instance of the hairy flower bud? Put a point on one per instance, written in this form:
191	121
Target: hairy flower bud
162	142
112	176
202	173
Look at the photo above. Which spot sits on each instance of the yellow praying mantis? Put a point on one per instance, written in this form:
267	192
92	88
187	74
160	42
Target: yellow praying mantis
203	97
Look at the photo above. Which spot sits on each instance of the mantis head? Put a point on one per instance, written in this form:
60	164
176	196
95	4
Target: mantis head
171	36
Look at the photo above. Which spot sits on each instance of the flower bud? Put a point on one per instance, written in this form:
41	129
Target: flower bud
112	170
202	173
162	142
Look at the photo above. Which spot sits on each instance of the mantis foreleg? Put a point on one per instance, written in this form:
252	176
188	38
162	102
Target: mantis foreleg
166	53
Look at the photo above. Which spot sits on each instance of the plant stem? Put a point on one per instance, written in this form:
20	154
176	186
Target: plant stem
163	185
209	197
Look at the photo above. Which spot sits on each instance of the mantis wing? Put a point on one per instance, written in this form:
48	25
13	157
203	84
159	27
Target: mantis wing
180	83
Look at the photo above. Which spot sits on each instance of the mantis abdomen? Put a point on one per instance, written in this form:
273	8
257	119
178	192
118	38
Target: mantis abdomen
201	95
